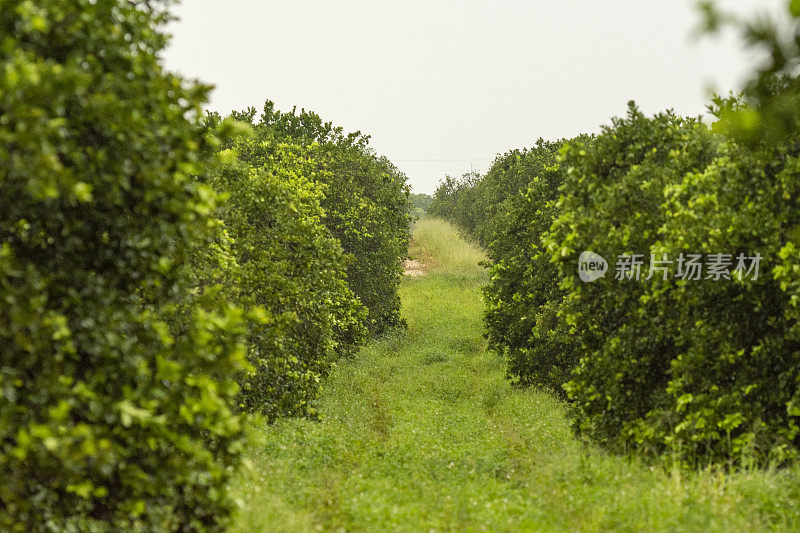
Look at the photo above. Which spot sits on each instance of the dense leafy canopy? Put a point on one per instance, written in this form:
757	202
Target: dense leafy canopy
522	298
288	264
115	399
365	203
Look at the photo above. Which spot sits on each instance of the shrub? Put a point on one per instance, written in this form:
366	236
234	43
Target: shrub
509	211
523	294
702	369
289	265
365	204
611	204
114	413
735	374
705	370
481	205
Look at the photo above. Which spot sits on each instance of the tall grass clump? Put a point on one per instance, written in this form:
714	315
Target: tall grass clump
438	245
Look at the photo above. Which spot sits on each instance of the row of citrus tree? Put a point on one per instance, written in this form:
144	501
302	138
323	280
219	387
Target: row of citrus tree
163	271
688	346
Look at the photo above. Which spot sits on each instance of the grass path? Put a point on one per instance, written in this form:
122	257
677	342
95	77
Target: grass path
421	432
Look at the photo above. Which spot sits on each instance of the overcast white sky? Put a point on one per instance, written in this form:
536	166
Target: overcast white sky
442	86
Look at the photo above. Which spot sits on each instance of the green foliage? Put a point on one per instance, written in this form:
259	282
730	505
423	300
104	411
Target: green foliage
611	204
365	204
523	294
422	432
114	394
769	115
420	202
289	265
735	380
509	211
456	200
510	175
703	370
481	205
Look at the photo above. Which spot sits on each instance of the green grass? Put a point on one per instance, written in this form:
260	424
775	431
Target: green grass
422	432
438	245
